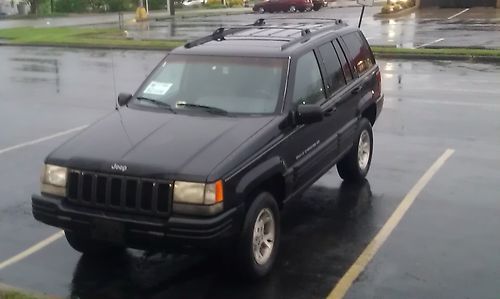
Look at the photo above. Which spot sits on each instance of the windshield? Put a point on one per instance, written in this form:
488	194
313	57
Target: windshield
230	84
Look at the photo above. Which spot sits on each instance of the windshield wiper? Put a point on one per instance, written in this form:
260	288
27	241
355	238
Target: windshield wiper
207	108
156	102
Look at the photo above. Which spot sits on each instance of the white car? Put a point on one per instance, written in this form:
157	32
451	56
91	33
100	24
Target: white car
192	3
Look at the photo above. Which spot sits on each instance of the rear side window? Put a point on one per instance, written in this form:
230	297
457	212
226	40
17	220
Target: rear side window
335	76
308	87
360	54
343	61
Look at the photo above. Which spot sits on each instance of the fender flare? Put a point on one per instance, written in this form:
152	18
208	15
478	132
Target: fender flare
259	174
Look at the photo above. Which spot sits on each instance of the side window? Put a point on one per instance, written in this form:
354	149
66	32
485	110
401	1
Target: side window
361	55
335	76
343	61
308	87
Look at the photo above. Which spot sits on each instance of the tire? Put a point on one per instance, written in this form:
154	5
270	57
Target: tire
316	8
355	165
261	10
292	9
255	258
91	247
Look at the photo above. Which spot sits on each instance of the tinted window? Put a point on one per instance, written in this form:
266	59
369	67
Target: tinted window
308	87
360	53
343	61
335	76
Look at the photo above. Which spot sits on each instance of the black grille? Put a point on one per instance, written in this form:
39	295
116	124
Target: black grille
119	193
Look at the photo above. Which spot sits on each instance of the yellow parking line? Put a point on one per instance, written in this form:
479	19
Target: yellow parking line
367	255
37	247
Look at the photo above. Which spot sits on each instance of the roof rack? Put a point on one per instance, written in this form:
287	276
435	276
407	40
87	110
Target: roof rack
305	33
221	33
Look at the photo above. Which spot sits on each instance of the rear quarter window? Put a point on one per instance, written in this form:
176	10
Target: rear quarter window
360	54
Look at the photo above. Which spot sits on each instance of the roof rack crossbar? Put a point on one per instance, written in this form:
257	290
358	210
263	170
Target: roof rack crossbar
220	34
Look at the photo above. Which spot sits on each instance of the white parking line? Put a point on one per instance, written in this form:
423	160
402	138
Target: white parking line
433	42
37	247
456	15
8	149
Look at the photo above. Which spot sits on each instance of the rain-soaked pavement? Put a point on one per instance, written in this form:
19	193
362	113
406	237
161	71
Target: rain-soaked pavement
477	27
445	247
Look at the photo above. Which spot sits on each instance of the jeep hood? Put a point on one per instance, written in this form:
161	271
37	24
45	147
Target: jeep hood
157	144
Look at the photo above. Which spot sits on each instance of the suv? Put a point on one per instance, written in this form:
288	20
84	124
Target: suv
223	133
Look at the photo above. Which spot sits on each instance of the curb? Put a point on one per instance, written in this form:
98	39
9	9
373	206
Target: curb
7	288
89	47
407	56
494	59
214	14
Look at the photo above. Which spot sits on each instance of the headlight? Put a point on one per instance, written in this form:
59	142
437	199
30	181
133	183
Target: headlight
54	180
198	193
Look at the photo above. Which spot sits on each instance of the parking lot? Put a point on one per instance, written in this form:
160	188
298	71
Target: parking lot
445	246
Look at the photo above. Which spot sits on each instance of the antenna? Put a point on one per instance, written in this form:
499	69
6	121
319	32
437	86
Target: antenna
114	78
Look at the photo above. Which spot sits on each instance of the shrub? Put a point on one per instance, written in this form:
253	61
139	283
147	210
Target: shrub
396	8
218	5
71	6
157	4
386	9
235	3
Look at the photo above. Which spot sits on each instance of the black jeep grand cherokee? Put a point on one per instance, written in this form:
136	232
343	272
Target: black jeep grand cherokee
223	133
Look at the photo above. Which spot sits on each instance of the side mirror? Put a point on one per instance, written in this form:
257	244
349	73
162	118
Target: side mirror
123	99
308	114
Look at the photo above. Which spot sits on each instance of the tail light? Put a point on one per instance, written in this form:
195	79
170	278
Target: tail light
378	85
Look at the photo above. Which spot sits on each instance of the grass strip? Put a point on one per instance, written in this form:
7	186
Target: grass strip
85	37
464	52
114	38
7	292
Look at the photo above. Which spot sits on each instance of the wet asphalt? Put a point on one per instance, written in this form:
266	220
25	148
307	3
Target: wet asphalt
477	27
429	27
445	247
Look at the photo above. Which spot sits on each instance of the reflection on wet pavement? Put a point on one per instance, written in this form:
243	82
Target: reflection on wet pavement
419	28
317	223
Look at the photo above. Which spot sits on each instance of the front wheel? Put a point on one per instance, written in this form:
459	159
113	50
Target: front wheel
292	9
260	237
261	10
91	247
355	165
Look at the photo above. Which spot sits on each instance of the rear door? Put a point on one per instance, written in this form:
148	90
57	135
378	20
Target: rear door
337	113
361	89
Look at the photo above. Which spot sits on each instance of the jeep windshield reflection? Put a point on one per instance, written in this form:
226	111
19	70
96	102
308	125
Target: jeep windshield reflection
240	85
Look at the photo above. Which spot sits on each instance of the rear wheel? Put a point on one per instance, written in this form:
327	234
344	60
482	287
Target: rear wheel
355	165
316	8
260	237
292	9
91	247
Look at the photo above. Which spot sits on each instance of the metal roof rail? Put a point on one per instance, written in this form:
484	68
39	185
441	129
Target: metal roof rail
221	33
306	35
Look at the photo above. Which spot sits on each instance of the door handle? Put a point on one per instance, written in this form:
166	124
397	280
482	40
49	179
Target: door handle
330	111
356	90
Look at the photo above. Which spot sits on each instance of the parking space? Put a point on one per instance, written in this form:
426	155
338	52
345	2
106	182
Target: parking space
444	247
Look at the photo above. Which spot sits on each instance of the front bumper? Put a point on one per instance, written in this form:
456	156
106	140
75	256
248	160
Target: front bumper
139	231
